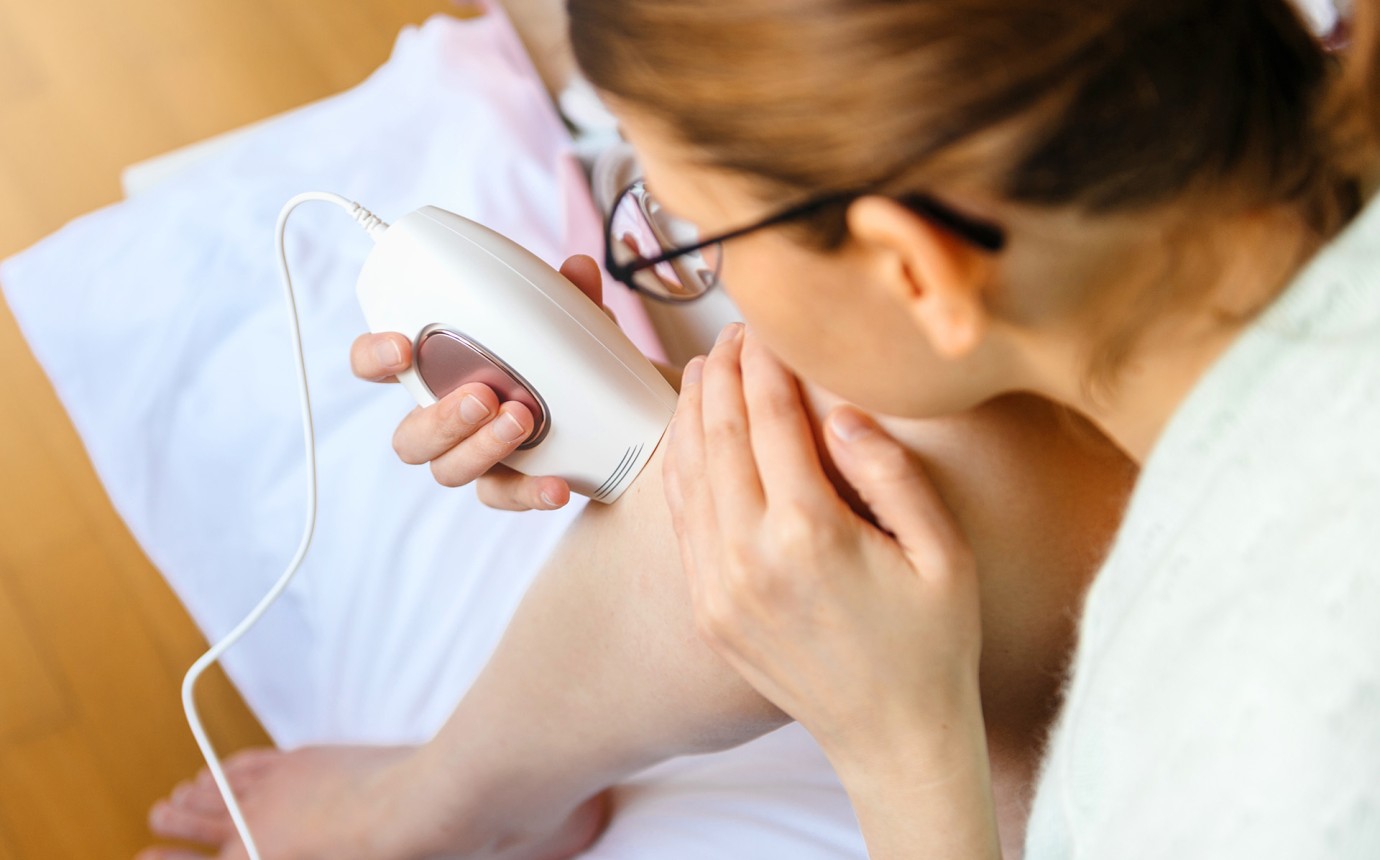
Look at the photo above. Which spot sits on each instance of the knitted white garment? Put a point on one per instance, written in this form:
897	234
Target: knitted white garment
1224	700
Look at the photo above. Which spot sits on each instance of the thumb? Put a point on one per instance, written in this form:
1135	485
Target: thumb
583	272
894	485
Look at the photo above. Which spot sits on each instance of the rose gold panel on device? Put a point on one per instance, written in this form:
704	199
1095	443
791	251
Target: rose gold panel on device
447	360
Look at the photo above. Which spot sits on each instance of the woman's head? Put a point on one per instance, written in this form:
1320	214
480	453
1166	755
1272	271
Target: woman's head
1099	132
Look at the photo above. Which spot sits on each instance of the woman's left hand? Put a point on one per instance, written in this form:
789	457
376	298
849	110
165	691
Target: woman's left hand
865	635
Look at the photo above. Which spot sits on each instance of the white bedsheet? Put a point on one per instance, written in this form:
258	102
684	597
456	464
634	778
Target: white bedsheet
160	322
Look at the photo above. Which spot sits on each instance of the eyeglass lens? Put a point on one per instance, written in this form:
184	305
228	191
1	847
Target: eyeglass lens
640	229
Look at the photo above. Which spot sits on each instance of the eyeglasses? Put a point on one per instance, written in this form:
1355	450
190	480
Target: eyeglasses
663	257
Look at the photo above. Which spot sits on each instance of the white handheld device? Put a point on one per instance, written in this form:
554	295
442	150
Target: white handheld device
480	307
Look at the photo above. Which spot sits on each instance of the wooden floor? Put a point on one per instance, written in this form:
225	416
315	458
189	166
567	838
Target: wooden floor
92	643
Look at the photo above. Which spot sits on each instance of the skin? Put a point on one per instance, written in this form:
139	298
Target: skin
515	787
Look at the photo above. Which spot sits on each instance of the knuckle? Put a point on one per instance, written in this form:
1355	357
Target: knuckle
496	498
777	403
772	393
888	463
492	495
752	577
448	422
791	525
722	429
799	532
741	559
721	364
484	491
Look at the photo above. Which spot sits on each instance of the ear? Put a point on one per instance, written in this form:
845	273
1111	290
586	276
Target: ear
935	277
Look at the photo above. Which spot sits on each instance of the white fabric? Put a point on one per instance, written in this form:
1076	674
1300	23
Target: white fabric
1225	696
160	322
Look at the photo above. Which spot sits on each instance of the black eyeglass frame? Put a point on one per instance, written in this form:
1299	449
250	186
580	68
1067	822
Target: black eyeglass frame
981	234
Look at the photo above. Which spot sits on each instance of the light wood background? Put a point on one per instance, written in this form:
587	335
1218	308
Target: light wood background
92	642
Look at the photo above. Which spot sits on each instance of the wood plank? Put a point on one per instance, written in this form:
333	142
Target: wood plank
57	803
30	698
7	849
19	73
35	510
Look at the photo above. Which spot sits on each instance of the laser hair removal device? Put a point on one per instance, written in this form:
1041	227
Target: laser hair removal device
480	307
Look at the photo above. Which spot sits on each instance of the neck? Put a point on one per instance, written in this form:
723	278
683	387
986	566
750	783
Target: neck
1174	355
1149	392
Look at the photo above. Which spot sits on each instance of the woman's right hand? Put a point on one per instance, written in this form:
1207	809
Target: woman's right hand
465	434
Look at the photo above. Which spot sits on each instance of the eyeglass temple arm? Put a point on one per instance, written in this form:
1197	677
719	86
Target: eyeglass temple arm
987	236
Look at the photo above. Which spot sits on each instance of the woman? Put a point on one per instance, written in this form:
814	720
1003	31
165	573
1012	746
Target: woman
1066	198
1125	207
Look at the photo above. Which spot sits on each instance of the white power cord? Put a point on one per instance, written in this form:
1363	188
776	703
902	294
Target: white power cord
375	228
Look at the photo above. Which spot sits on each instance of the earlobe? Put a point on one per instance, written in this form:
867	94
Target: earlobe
937	279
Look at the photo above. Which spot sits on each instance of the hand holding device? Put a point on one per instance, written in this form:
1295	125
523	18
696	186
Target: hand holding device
458	449
480	308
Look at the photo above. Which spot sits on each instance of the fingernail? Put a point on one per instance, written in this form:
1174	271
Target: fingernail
693	371
473	410
849	425
730	331
507	428
547	500
388	353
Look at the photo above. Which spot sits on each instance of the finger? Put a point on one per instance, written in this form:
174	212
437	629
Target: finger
675	503
199	795
729	466
507	489
378	357
582	271
176	822
898	491
161	852
783	441
478	453
251	761
696	518
427	433
670	478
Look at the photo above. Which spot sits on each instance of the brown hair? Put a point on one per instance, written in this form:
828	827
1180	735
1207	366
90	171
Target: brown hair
1104	105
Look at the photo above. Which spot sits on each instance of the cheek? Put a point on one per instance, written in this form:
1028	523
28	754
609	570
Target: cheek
810	311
